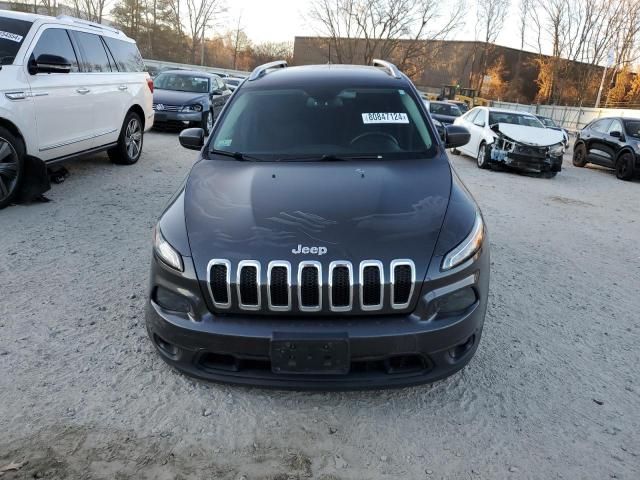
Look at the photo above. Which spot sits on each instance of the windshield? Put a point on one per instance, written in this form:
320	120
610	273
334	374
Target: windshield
515	119
445	109
181	82
547	122
632	127
12	33
284	124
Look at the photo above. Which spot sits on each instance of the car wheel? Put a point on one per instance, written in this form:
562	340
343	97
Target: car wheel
207	123
579	156
11	166
624	167
129	147
483	156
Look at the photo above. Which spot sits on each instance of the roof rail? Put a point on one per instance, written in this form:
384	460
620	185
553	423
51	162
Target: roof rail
261	71
87	23
389	67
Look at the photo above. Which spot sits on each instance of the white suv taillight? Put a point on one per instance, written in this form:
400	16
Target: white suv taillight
150	84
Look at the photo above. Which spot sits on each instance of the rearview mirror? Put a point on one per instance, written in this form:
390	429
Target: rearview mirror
192	138
455	136
46	63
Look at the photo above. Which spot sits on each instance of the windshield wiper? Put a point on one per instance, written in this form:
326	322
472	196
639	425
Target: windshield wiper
333	158
237	155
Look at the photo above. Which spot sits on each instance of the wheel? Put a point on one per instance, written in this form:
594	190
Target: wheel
129	147
624	166
483	156
579	156
207	122
455	151
11	166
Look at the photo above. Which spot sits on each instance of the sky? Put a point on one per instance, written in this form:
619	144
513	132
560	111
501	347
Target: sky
282	20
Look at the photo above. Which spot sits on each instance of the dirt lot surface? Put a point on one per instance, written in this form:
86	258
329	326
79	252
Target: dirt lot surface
553	392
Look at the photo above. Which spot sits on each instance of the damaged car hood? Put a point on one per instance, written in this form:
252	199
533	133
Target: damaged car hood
534	136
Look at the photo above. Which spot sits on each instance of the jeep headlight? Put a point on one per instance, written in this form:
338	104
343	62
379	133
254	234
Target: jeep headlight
468	247
165	251
556	150
192	108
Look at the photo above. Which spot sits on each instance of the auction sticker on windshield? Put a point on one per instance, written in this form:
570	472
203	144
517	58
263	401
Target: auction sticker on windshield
385	117
11	36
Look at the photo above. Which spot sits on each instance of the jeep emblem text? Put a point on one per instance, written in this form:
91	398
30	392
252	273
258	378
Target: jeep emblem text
311	250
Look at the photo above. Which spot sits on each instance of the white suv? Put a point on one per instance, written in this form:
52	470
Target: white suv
68	87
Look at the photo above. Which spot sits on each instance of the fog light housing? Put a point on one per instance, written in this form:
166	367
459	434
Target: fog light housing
171	300
453	303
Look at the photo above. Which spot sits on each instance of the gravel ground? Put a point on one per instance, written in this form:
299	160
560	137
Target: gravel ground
553	392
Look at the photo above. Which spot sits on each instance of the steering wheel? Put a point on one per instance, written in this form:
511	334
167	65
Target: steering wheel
385	135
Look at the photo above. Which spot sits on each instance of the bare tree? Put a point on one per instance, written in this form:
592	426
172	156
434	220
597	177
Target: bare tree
239	41
359	30
491	16
200	16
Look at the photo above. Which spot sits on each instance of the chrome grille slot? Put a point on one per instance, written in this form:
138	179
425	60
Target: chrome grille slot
248	285
279	283
371	285
340	286
219	282
403	279
310	286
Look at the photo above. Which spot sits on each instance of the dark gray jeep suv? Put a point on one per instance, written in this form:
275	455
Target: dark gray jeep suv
322	239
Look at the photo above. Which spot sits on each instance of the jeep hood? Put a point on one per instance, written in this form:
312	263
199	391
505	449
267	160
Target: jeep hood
357	210
534	136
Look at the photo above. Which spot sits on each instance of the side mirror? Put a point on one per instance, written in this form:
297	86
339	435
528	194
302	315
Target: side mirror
455	136
617	135
192	138
46	63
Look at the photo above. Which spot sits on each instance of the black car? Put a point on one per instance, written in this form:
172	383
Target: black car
183	98
322	239
550	123
610	142
444	112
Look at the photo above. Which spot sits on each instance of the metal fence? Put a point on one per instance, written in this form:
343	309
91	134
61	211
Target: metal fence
571	118
160	64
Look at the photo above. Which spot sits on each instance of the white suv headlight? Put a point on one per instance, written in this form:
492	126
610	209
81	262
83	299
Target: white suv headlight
468	247
165	251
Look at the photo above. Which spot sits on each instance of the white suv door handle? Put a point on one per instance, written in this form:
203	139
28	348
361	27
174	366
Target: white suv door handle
83	90
123	88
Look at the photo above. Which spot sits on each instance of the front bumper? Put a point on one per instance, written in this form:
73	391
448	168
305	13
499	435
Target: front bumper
385	351
170	117
527	159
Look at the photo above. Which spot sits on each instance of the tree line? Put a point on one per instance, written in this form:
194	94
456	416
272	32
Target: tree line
184	31
571	39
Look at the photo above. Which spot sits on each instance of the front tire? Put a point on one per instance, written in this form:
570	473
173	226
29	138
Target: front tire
207	122
579	156
624	166
483	157
11	166
129	147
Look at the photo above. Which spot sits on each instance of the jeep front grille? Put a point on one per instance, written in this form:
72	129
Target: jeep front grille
367	283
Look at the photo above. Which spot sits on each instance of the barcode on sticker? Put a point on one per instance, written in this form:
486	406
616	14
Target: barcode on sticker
385	117
11	36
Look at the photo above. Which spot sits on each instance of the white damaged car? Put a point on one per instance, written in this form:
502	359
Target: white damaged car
512	139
